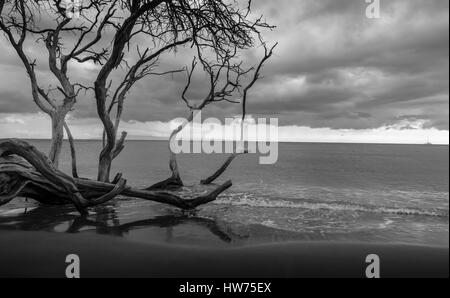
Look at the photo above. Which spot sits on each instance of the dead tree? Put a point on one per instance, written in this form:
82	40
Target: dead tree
17	23
225	85
26	172
221	27
216	29
268	52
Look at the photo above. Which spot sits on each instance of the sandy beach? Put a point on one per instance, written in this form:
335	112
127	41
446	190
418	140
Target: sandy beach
41	254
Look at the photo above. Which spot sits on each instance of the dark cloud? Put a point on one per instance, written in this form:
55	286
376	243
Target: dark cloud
14	102
333	68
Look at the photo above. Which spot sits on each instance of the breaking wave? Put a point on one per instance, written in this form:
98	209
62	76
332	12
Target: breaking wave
242	199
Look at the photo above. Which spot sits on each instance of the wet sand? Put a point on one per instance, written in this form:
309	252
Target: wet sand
42	254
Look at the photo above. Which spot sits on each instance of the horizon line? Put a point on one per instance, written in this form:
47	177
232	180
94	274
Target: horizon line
300	142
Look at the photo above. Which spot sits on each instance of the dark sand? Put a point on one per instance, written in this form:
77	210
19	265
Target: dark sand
41	254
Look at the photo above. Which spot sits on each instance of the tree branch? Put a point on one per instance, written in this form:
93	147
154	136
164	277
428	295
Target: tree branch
221	170
72	150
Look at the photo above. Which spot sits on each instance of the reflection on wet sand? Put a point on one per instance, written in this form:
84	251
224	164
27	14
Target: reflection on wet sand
139	221
103	220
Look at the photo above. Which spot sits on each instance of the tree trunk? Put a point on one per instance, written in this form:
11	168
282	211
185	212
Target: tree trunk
73	152
24	171
57	137
174	181
104	166
107	156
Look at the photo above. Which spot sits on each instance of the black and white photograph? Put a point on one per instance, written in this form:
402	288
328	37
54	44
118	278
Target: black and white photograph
224	147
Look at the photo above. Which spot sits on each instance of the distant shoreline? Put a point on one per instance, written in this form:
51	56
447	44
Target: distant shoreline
284	142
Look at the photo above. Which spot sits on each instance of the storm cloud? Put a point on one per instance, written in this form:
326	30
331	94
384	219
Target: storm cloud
334	68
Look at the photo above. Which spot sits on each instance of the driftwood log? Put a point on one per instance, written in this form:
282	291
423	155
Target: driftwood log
26	172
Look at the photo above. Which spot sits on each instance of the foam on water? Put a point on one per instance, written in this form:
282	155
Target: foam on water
247	199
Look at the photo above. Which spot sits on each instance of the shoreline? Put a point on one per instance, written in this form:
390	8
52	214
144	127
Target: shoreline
42	254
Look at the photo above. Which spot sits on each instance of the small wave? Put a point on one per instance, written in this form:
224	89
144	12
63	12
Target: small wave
250	200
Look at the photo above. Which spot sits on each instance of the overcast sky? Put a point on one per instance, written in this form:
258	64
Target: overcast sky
337	76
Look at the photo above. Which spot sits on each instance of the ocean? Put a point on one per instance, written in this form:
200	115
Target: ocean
315	192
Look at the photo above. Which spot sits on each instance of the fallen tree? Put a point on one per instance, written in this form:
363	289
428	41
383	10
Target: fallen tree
26	172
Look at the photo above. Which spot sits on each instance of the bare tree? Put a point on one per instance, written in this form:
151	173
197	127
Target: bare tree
216	29
225	85
218	26
17	22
